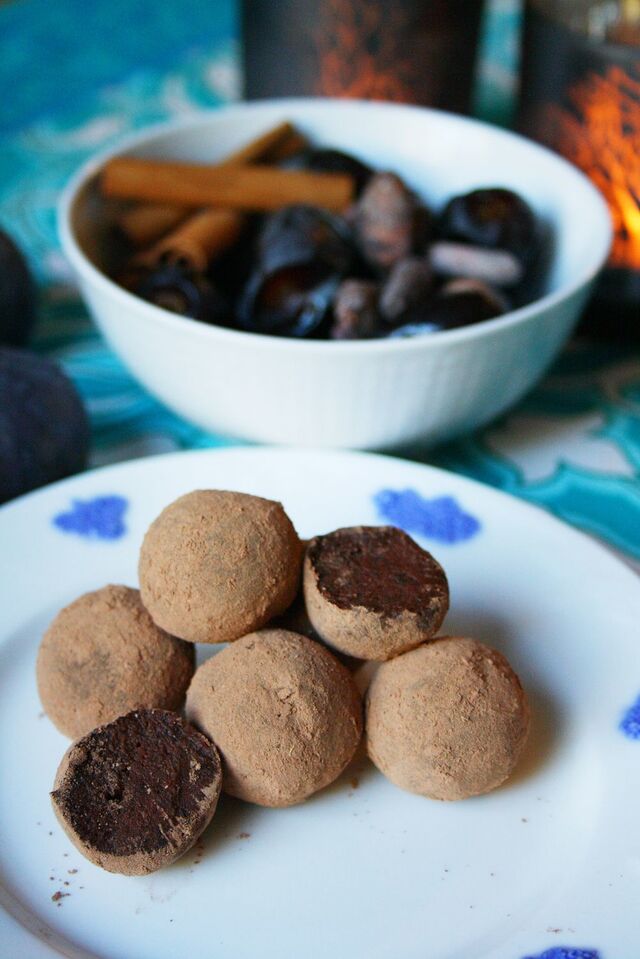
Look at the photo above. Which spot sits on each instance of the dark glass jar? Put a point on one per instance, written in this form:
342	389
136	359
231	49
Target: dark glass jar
580	95
410	51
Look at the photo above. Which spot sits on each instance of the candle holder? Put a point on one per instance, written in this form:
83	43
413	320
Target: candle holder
408	51
580	95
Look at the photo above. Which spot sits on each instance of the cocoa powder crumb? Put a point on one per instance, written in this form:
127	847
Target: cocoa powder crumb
57	896
243	835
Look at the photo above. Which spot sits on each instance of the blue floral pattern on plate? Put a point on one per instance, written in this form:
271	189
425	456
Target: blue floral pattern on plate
441	518
99	518
566	952
630	722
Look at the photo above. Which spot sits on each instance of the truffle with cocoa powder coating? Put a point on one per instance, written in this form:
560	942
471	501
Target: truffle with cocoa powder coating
447	720
136	794
103	656
216	565
372	592
284	713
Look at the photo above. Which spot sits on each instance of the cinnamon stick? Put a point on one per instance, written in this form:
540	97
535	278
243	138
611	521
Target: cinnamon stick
147	222
257	188
196	241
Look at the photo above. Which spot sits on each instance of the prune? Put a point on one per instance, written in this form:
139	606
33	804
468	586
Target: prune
335	161
386	221
303	252
183	292
17	294
355	311
293	301
496	218
44	431
299	234
460	303
406	287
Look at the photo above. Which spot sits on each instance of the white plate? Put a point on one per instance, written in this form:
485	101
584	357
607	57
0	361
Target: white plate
549	862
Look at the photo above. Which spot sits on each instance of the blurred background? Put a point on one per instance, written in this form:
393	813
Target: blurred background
78	76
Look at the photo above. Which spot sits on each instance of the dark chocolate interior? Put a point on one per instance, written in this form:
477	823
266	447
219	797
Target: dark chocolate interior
379	568
139	784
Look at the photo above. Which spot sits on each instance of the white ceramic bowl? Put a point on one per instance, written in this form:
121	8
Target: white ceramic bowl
375	394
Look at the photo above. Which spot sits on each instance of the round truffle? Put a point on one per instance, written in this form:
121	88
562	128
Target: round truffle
216	565
135	794
284	713
372	592
296	620
103	656
447	720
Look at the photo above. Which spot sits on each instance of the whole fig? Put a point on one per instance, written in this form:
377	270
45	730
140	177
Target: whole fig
44	431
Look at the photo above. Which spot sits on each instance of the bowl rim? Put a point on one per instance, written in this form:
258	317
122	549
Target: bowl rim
96	277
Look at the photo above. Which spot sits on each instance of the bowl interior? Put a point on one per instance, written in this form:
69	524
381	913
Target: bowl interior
438	154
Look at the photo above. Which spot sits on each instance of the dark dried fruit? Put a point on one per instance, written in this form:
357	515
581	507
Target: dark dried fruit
462	303
44	432
293	301
302	254
17	294
297	235
355	311
180	291
335	161
495	218
386	221
407	286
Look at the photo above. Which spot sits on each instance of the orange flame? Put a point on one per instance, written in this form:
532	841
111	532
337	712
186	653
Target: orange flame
601	135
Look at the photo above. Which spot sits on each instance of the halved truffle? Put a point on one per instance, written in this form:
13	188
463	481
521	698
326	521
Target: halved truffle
103	656
215	565
136	794
284	713
447	720
372	592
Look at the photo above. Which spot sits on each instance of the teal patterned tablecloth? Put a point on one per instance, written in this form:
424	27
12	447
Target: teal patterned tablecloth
77	76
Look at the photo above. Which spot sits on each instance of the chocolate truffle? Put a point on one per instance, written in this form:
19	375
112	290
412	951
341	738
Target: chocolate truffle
216	565
372	592
284	713
135	794
103	656
296	620
447	720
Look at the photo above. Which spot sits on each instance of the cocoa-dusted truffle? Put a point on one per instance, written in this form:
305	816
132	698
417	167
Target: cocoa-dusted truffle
284	713
215	565
296	620
447	720
135	794
372	592
103	656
